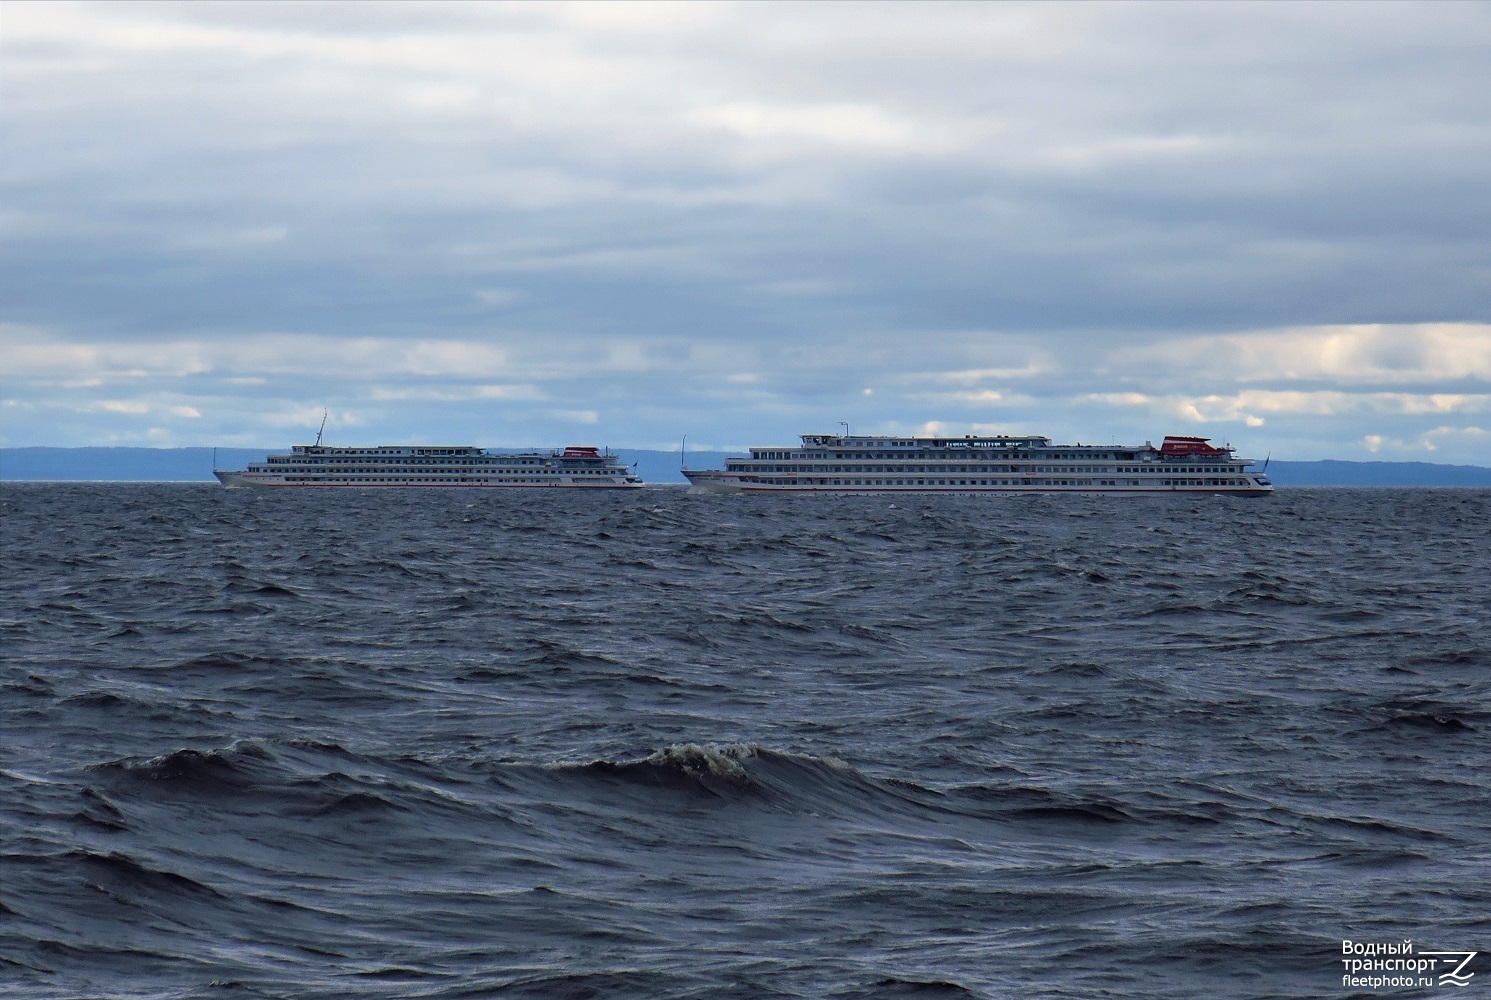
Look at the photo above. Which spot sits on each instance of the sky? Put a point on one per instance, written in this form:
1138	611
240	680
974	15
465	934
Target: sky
539	224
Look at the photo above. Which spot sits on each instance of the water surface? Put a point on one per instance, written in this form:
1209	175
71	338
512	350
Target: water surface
450	744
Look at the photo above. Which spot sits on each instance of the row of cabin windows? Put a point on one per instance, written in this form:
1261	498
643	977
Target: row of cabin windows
959	455
421	479
943	466
384	451
363	475
990	454
343	459
360	470
288	468
824	481
1146	470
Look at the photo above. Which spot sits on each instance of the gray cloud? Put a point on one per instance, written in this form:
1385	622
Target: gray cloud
733	220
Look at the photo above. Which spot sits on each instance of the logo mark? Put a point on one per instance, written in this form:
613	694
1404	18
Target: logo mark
1454	977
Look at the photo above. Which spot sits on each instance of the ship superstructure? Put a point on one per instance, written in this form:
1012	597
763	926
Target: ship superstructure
315	465
1004	464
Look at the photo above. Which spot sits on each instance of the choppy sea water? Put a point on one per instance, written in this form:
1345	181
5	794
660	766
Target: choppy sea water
450	744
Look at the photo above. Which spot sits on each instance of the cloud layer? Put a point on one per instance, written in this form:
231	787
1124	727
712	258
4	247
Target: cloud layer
537	223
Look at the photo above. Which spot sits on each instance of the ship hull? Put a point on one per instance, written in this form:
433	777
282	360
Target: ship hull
716	483
239	480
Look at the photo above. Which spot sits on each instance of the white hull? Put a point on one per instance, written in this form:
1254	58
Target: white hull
238	480
707	483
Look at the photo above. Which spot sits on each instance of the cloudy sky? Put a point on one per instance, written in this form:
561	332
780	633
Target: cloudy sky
540	224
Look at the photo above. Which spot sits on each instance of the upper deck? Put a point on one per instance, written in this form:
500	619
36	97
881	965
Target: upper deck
388	450
1011	447
865	441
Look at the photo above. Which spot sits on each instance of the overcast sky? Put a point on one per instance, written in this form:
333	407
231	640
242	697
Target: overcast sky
541	224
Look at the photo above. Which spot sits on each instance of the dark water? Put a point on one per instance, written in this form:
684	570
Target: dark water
660	745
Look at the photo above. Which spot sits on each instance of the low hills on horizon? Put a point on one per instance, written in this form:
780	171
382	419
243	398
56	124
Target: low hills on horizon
188	465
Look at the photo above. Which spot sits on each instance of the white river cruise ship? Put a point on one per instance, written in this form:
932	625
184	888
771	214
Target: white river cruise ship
440	466
1003	465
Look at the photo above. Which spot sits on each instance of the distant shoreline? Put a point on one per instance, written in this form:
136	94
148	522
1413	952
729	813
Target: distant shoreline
194	465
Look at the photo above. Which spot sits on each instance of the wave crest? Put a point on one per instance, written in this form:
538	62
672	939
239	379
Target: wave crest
230	769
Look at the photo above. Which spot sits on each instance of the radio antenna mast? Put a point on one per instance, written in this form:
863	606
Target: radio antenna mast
324	414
